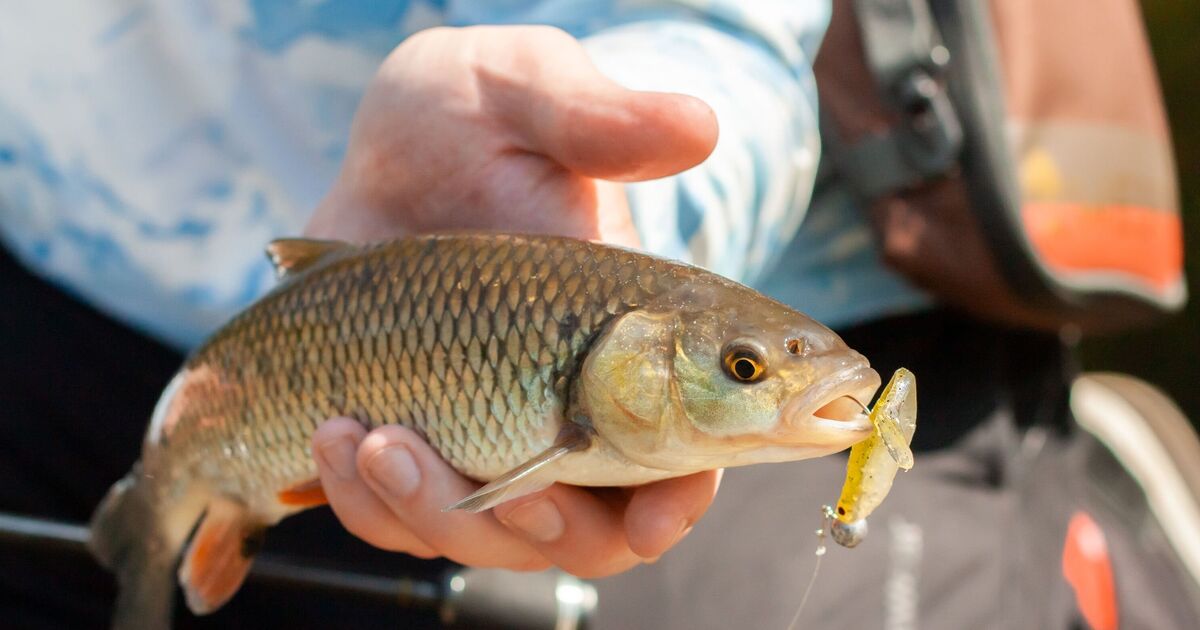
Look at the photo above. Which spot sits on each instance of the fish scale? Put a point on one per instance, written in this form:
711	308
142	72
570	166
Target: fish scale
422	332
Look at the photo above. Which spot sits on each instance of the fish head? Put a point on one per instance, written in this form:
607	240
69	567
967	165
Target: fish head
719	375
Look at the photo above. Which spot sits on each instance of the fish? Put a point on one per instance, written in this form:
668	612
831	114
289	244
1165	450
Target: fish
522	360
874	462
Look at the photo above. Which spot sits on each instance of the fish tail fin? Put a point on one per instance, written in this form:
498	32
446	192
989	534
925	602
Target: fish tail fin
128	537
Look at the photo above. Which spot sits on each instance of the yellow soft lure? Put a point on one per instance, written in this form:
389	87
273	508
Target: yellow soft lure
874	461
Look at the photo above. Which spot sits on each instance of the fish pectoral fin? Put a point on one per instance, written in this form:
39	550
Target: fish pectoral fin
535	474
293	255
219	555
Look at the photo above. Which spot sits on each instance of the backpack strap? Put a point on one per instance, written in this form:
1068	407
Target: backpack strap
904	52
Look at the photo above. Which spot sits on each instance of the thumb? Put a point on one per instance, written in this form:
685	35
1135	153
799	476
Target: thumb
581	119
624	135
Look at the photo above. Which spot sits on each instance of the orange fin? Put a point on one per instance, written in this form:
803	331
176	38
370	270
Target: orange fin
305	495
219	556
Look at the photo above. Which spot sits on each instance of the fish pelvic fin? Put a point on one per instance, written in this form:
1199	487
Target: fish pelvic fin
293	255
303	495
128	537
219	555
535	474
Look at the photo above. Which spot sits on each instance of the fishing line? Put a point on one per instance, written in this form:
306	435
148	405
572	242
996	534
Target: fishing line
826	522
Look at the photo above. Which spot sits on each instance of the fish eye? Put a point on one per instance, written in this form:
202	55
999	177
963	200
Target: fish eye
744	365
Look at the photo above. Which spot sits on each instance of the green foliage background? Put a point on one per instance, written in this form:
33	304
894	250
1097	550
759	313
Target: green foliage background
1169	355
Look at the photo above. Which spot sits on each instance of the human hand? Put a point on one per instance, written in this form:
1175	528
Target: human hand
389	487
507	128
504	128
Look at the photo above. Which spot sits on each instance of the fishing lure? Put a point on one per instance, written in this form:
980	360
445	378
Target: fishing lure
874	461
870	472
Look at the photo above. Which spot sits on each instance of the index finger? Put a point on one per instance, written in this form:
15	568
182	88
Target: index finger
660	514
591	536
416	484
573	528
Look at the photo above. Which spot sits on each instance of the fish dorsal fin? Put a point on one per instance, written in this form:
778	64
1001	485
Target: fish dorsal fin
293	255
533	475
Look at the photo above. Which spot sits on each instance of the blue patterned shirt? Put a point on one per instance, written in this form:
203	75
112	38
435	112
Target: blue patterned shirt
150	148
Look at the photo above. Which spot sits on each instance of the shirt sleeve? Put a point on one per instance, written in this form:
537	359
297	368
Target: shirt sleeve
752	63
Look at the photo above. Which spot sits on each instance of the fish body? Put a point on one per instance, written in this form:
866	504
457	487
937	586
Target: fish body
522	360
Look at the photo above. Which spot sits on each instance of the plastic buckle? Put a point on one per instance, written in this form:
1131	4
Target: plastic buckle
931	135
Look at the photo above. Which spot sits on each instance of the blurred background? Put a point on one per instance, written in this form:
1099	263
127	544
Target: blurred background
1168	355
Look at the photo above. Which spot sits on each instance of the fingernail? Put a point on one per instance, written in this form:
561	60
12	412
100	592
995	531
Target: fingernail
684	528
539	520
339	454
395	471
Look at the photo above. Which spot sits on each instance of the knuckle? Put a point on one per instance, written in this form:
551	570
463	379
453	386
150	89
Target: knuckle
550	34
425	36
434	36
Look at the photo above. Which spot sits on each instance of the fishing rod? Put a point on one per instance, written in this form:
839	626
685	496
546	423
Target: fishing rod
464	597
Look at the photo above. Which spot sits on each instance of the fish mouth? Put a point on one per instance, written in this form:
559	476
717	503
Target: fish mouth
834	414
